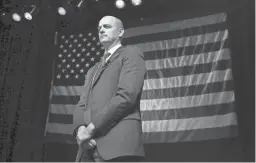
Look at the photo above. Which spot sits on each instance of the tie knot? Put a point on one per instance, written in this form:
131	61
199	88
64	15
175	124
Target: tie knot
106	55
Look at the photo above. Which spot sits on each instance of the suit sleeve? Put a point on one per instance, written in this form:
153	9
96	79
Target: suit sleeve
82	101
80	107
130	85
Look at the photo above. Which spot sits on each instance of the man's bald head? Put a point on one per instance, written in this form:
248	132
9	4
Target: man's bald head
114	20
110	30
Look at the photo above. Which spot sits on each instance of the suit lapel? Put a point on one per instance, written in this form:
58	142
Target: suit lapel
102	68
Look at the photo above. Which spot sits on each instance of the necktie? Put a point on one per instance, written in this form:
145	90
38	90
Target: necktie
104	58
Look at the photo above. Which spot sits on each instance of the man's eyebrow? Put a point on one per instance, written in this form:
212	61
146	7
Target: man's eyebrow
104	25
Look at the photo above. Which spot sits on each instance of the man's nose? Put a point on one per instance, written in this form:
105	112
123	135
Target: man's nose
102	31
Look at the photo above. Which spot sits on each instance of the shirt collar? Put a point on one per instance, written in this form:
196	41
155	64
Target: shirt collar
114	48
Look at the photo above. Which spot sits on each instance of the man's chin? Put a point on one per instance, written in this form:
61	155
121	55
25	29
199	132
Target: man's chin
104	41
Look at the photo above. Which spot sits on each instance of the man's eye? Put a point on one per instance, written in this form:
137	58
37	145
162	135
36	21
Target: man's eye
107	26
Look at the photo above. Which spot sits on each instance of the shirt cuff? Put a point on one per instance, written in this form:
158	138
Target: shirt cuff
91	129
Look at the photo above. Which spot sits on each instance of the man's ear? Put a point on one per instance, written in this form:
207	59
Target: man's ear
121	32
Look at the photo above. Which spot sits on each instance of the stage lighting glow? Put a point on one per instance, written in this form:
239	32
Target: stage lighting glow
120	4
16	17
62	11
28	16
136	2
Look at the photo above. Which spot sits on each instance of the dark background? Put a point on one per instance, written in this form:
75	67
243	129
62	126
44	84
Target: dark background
26	71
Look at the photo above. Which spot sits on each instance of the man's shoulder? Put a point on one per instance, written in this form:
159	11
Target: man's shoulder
132	50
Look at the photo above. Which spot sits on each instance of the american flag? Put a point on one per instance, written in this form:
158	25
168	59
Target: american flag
188	92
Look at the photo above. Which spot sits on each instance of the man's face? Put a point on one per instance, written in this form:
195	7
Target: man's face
108	30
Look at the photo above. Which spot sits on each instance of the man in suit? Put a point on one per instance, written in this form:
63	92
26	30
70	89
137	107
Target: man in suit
110	129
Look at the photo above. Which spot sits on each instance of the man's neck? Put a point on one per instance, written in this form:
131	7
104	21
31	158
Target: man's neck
111	45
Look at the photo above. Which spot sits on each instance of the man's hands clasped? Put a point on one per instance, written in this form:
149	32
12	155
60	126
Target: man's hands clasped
83	138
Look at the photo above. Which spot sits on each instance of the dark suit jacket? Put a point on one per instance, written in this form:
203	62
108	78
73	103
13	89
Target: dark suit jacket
113	105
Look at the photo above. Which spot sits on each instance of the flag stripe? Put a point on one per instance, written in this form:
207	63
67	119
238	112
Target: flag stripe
187	91
162	83
62	109
188	32
165	125
188	60
188	70
183	41
186	80
188	101
60	118
165	137
201	111
59	138
73	100
190	135
185	51
211	110
189	123
171	26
